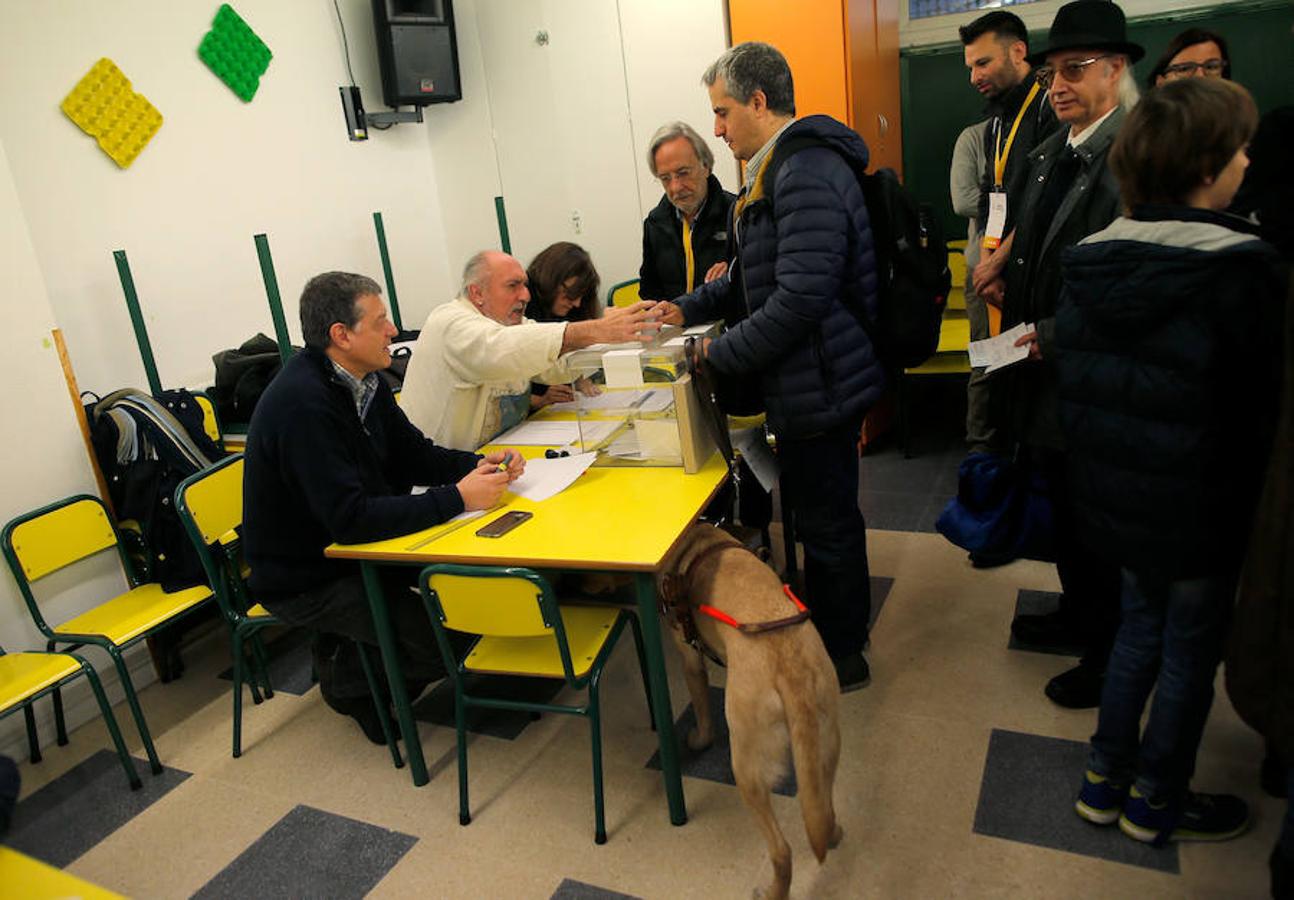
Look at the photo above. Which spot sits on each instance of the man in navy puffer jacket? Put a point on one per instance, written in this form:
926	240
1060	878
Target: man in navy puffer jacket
804	271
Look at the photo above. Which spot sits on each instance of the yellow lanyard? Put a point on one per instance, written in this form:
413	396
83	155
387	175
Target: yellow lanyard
687	254
1000	153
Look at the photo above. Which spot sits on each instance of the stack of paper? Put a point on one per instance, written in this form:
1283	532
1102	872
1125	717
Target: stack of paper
998	352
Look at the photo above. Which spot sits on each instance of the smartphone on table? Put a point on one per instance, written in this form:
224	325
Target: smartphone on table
503	524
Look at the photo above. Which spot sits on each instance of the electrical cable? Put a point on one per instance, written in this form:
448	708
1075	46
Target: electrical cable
345	44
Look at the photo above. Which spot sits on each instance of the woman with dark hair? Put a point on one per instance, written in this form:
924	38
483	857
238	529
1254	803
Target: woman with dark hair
1168	363
1196	52
563	285
563	288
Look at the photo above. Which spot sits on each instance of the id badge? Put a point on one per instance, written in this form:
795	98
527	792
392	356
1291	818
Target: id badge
996	220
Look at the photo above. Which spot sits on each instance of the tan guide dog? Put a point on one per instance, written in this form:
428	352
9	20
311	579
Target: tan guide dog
782	687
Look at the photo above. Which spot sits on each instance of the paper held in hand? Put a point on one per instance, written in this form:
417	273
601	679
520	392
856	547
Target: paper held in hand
998	352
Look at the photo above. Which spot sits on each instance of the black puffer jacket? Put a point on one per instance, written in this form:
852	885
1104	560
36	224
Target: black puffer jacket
1168	359
804	260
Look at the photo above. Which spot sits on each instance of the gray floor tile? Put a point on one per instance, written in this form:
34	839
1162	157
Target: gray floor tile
311	853
881	585
1037	603
714	763
65	818
1027	795
437	705
570	889
890	511
290	663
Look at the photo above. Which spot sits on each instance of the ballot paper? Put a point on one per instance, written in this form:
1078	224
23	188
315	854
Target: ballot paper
752	444
648	400
998	352
533	433
544	478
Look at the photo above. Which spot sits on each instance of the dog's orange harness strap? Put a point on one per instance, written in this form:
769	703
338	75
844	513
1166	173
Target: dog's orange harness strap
720	616
786	589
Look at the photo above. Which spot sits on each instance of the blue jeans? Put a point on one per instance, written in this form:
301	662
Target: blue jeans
820	482
1171	635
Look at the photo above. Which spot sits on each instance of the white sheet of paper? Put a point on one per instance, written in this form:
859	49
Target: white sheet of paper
996	215
648	400
623	368
697	330
545	478
997	352
532	433
658	439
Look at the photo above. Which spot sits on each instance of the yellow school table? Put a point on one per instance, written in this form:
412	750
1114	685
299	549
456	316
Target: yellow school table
31	879
610	520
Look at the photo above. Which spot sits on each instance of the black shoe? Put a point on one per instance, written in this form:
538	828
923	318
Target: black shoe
1049	629
1282	869
1078	688
360	709
852	671
989	560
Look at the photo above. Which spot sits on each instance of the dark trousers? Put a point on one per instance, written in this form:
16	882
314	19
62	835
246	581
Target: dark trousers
1091	585
820	481
339	610
1171	641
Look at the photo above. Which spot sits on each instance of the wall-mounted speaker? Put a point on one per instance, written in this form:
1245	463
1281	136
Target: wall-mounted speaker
418	51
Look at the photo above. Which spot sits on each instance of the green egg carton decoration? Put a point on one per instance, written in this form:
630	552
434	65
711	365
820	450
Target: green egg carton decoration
105	107
234	53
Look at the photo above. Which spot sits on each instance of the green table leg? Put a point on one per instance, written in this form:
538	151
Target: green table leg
662	712
394	674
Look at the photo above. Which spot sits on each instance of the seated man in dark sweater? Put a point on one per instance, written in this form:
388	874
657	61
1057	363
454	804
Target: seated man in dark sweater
331	458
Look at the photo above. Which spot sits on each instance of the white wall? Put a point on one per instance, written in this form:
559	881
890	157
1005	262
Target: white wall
42	456
218	171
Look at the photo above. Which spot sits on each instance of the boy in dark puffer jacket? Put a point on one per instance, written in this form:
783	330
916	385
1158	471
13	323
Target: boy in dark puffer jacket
1167	365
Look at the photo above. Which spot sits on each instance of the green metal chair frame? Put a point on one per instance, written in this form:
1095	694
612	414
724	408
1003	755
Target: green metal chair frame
222	562
552	618
75	641
105	709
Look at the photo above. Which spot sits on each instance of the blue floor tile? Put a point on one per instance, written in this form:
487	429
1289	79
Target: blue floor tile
311	853
1027	795
78	809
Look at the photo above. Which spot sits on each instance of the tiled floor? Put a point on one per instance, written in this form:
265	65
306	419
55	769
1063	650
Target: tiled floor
956	778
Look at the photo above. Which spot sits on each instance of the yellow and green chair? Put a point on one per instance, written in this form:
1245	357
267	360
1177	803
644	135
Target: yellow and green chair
28	676
623	294
210	504
47	540
523	631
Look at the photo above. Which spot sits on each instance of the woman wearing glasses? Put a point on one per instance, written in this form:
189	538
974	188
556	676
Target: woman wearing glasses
1194	53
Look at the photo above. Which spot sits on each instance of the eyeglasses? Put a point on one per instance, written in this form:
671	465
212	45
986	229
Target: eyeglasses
1212	68
1071	70
683	174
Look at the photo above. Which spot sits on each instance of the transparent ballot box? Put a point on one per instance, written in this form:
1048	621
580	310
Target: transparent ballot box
636	405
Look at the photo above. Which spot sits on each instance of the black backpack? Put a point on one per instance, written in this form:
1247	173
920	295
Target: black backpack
911	260
162	443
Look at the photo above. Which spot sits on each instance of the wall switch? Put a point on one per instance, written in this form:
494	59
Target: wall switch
577	221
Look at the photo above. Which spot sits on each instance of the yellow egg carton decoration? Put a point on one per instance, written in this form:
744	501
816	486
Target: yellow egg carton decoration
103	106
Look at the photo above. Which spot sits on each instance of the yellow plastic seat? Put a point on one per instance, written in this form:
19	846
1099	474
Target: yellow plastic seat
523	632
49	539
32	879
27	676
210	504
623	294
210	422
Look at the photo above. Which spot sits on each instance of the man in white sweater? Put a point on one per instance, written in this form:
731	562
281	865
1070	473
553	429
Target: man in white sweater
469	378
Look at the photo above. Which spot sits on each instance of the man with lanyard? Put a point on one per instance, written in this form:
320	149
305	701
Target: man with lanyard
1019	118
1069	194
803	275
685	238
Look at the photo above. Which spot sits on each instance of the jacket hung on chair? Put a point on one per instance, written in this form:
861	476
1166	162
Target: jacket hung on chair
317	474
804	259
1167	339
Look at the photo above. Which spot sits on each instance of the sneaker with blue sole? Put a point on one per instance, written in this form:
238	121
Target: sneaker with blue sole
1100	800
1198	817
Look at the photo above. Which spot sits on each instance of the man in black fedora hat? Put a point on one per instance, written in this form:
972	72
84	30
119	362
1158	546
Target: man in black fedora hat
1085	68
